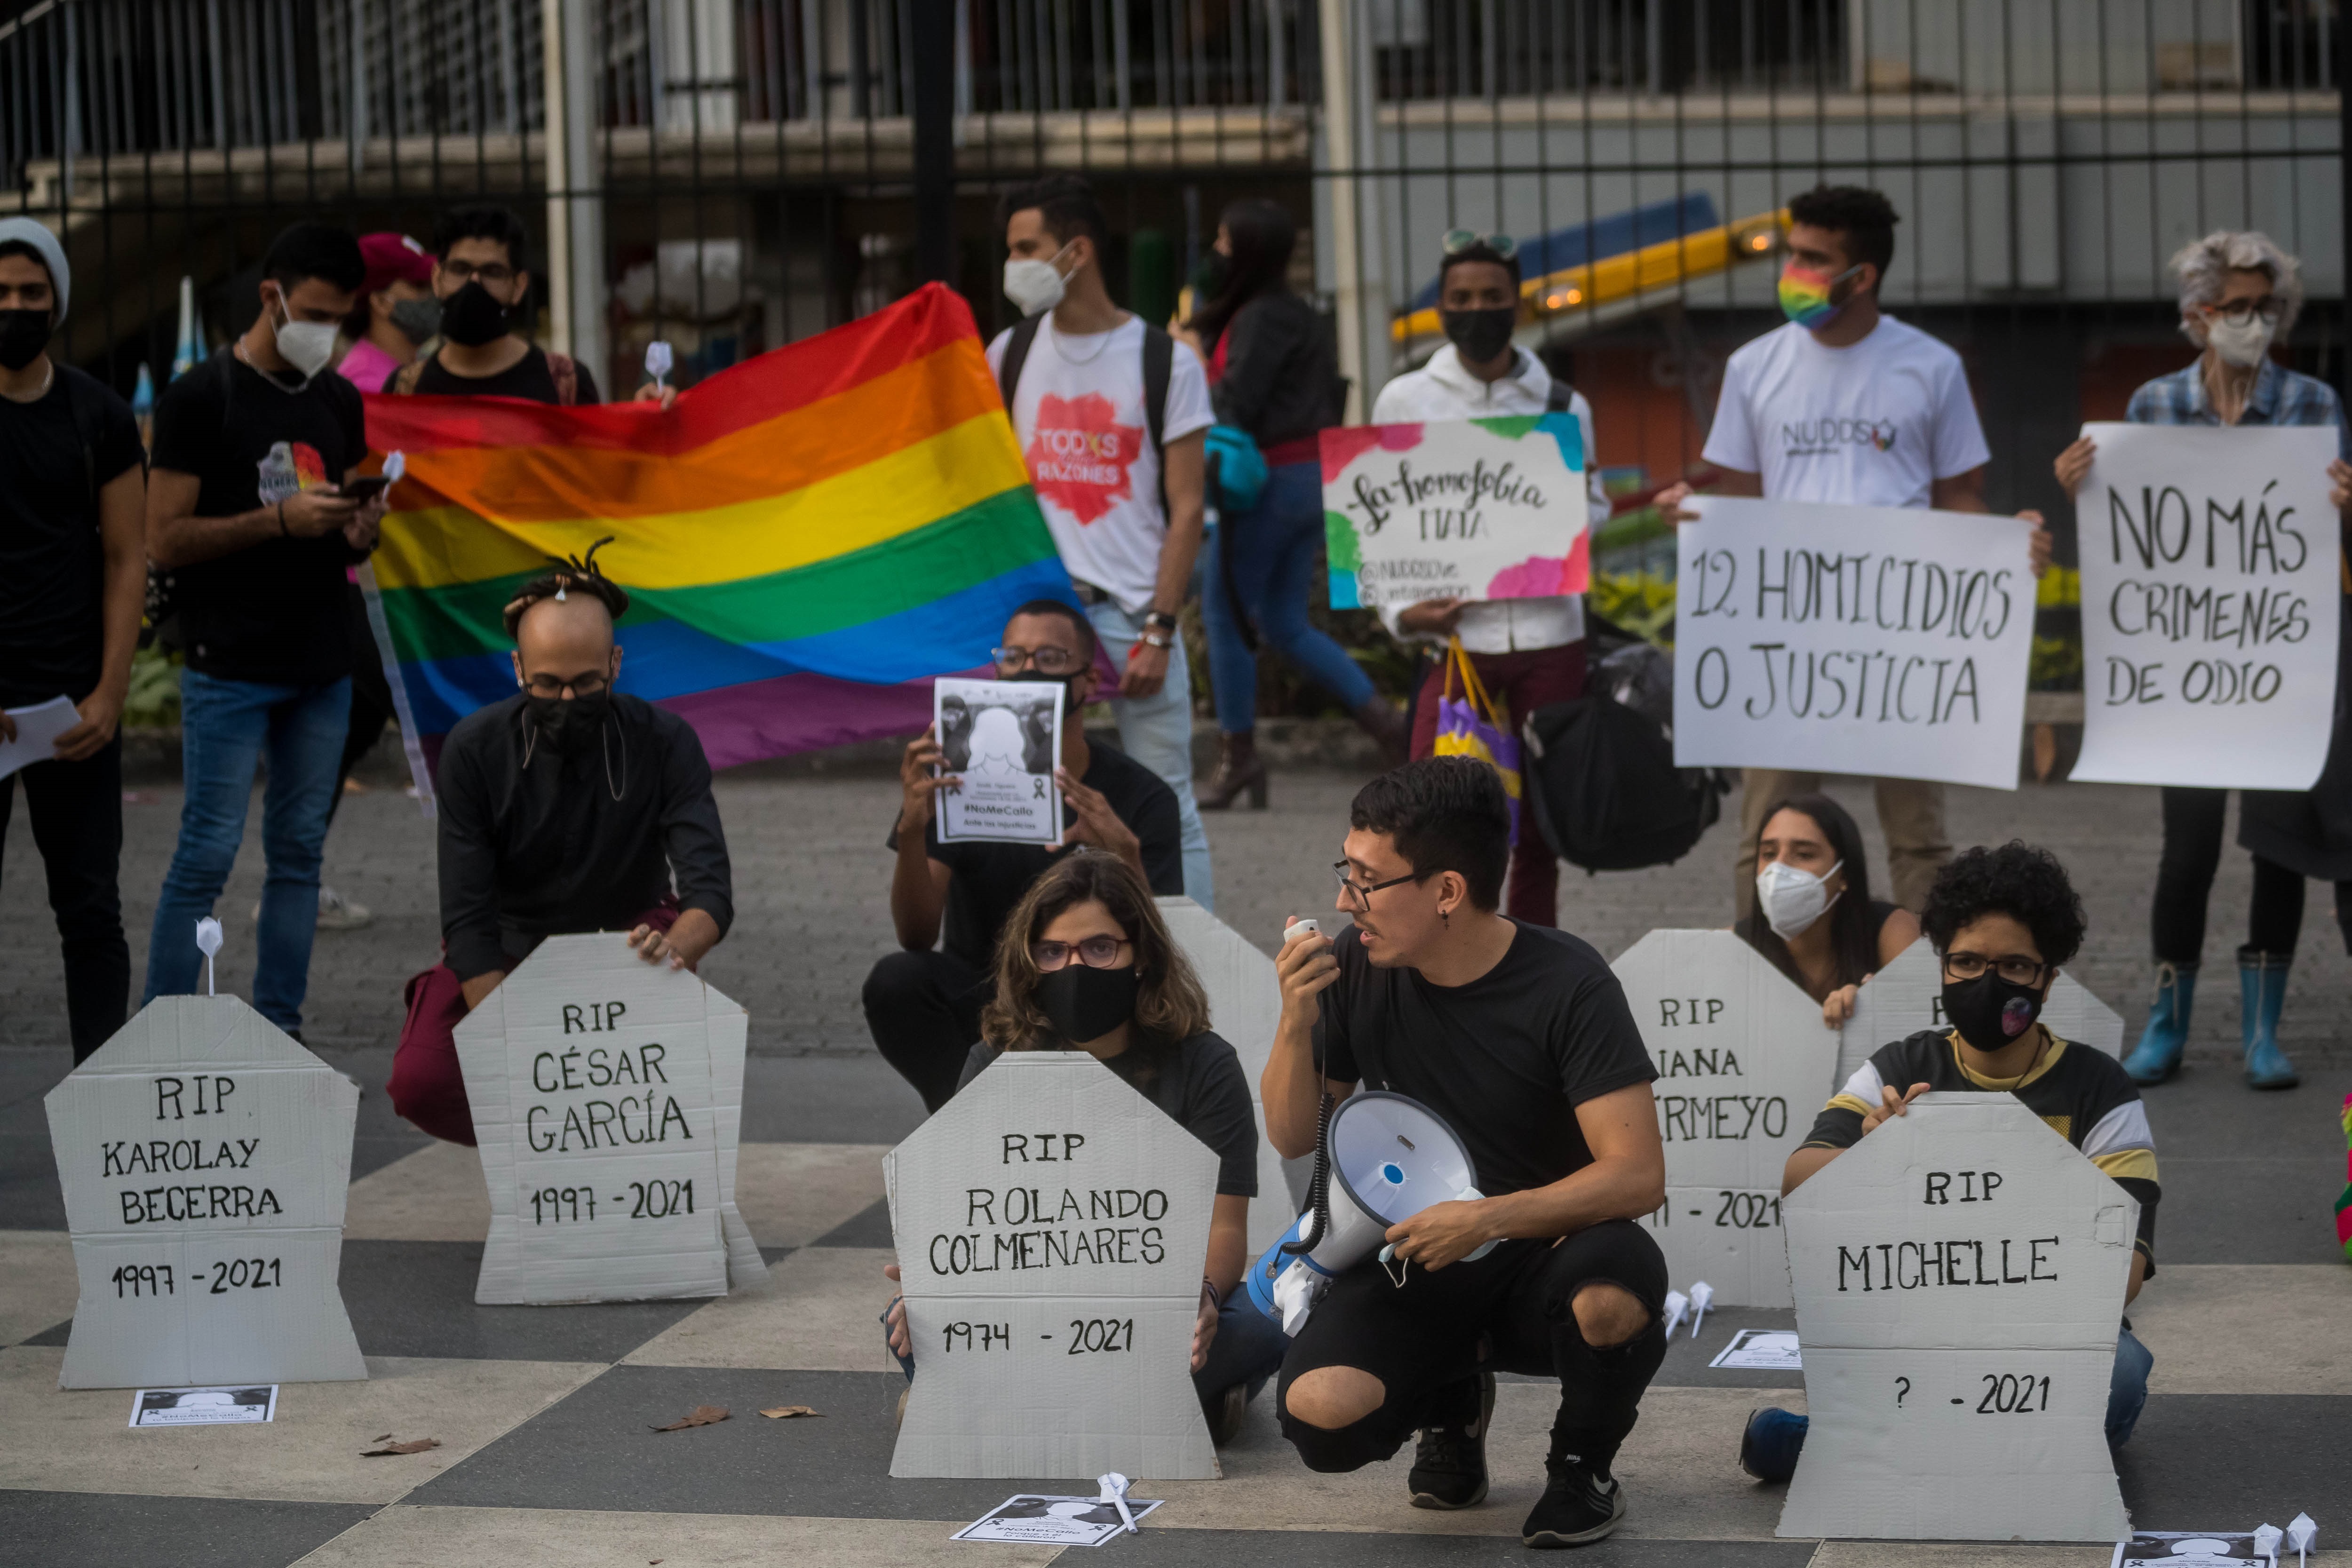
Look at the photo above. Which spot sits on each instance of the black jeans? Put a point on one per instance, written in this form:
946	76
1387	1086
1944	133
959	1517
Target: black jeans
76	812
1509	1311
370	699
924	1011
2193	821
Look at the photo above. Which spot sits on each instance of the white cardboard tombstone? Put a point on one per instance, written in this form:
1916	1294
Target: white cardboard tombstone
607	1096
1044	1213
205	1157
1244	1006
1907	997
1923	1321
1740	1052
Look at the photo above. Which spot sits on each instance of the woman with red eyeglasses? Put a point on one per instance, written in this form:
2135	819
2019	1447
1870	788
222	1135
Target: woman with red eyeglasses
1086	965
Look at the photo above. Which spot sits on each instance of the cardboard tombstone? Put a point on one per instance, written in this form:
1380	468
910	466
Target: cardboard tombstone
1051	1224
205	1157
1907	997
1741	1053
1959	1277
608	1094
1244	1007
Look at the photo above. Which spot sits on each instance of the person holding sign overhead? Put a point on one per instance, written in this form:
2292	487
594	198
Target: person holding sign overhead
1814	917
1847	406
2001	921
2240	293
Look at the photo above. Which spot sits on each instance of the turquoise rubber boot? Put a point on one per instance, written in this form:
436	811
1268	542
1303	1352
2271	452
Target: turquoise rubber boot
2157	1055
2262	978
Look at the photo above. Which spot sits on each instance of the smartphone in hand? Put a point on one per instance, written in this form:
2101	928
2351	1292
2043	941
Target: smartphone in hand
364	486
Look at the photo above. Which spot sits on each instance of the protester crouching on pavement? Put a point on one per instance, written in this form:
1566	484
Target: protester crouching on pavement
924	1003
1112	417
2240	293
73	578
1848	406
1527	652
567	807
243	511
1814	917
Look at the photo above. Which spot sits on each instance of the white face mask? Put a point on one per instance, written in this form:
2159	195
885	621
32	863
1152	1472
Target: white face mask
1035	286
1792	898
2240	344
307	346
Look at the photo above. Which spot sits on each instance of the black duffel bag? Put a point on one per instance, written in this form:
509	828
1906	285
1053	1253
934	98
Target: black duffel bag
1600	776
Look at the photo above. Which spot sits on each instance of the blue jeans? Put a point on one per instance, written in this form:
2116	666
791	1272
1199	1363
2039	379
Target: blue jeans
1275	545
226	727
1156	731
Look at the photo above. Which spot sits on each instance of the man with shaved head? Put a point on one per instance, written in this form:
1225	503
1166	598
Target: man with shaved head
566	807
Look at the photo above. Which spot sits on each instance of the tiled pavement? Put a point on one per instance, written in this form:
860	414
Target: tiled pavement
543	1412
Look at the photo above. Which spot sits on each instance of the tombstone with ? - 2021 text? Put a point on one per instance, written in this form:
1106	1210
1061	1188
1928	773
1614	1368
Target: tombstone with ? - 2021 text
1741	1054
1051	1224
1960	1276
607	1096
205	1157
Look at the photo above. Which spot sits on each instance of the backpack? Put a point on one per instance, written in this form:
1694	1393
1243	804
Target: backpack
562	367
1158	365
1601	779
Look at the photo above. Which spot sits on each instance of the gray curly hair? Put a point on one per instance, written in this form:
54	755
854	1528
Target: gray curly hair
2204	267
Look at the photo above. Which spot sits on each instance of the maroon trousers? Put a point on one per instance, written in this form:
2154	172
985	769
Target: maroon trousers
1521	683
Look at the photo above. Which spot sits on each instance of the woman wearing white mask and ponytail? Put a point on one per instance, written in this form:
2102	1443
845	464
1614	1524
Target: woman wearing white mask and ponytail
2240	294
1814	917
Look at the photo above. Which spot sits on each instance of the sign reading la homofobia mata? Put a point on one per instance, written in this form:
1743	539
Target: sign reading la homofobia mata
607	1096
204	1158
1051	1224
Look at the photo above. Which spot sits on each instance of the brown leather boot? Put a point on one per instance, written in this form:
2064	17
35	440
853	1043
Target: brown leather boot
1385	724
1239	768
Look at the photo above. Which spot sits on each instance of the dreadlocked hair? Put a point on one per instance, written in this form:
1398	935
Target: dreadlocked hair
573	574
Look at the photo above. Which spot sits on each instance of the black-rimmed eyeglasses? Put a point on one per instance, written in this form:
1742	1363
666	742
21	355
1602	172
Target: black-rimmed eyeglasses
1360	893
2017	971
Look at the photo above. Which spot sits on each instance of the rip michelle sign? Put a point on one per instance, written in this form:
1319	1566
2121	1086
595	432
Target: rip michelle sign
1884	641
1470	509
2211	607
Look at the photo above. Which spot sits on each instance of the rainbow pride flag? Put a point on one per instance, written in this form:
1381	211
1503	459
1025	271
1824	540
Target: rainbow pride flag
807	539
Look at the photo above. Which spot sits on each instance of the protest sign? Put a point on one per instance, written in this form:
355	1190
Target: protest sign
1883	641
608	1100
1478	508
204	1158
1051	1224
1959	1277
1003	740
1907	997
1245	1008
2211	605
1741	1054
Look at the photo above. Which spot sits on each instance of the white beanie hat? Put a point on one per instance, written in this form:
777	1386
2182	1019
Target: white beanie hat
32	232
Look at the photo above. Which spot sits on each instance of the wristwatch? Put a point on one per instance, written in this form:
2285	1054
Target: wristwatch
1161	619
1162	641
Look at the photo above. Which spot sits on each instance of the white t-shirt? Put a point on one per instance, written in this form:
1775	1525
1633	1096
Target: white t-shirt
1079	416
1871	425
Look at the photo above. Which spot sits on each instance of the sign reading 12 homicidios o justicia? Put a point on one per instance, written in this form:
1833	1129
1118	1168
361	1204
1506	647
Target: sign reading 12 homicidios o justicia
1470	509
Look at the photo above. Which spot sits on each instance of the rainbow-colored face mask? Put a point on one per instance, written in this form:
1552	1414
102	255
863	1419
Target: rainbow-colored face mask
1805	294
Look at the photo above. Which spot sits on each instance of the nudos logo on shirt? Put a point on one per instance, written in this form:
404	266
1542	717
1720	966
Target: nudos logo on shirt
1822	437
1081	458
291	467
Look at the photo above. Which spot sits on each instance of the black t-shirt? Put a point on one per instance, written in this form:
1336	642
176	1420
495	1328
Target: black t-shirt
276	611
527	378
991	876
1506	1059
1199	1083
52	565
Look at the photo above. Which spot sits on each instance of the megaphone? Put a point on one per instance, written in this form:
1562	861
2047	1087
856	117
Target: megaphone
1385	1158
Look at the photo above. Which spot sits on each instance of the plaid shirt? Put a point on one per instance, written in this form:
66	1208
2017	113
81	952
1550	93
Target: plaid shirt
2280	396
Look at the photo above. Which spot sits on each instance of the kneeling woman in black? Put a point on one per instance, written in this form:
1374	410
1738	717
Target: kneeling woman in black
1814	917
1086	965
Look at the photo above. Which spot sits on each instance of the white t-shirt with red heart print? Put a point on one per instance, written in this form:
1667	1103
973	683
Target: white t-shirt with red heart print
1079	416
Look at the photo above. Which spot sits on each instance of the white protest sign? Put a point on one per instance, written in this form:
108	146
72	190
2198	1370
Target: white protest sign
1959	1277
1907	997
204	1158
2211	605
1051	1225
1244	1006
1482	508
1003	740
1876	640
1741	1053
608	1094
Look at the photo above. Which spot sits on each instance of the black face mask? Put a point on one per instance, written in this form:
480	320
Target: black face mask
472	318
1479	336
1991	1012
570	722
23	335
1084	1003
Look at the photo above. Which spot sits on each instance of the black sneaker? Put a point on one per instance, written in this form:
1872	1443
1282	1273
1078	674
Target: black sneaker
1449	1461
1225	1412
1580	1504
